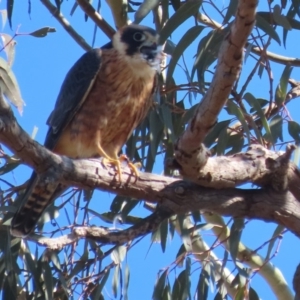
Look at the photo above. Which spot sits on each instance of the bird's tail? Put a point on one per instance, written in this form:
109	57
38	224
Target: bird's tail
37	197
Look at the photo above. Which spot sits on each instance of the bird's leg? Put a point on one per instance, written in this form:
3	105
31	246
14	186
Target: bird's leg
134	167
106	159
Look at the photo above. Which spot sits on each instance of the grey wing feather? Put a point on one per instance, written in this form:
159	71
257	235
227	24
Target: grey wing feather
73	92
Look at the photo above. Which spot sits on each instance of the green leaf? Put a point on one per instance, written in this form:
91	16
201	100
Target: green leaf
196	216
163	227
48	281
144	9
159	285
119	254
281	19
214	133
3	13
236	141
294	130
222	141
176	4
184	42
276	235
167	118
9	47
240	295
207	53
42	32
104	279
253	295
9	85
180	288
276	128
267	28
185	11
281	89
180	253
156	127
126	281
115	280
117	203
235	237
231	9
255	104
232	108
167	293
9	8
9	166
203	285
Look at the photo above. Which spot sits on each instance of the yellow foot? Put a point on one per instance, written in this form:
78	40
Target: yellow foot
114	162
134	167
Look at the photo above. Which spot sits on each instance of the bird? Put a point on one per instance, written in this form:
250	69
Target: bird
103	98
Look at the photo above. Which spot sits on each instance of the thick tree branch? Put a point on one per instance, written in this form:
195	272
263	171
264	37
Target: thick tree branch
176	196
66	25
189	152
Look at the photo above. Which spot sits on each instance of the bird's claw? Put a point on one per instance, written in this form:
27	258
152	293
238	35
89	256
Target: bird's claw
117	163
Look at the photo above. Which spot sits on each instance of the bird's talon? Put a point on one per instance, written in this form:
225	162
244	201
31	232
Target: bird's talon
116	163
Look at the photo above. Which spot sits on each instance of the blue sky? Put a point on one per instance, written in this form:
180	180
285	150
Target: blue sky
40	66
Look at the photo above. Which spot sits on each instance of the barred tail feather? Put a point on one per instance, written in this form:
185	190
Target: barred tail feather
36	199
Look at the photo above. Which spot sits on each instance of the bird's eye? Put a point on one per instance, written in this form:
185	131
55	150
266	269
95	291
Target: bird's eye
139	37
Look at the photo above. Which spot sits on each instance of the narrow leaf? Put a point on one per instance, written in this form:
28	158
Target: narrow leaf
185	11
184	42
252	101
235	110
159	286
115	280
267	28
42	32
281	89
203	285
144	9
235	236
9	86
276	235
294	130
9	8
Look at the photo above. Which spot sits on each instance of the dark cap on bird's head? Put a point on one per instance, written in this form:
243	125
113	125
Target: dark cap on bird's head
138	42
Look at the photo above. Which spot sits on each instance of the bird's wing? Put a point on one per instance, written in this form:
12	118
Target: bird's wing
72	95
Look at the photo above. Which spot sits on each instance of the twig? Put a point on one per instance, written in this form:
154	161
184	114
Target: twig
66	25
96	17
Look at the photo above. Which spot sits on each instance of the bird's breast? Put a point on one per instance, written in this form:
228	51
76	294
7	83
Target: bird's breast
118	100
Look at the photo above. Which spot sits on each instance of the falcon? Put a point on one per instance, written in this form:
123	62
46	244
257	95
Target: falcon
103	98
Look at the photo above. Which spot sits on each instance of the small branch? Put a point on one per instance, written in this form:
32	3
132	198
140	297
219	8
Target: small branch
96	17
66	25
284	60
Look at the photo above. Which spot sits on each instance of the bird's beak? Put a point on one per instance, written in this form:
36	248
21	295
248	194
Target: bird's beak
150	50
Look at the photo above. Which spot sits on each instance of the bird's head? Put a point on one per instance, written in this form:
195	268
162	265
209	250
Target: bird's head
139	44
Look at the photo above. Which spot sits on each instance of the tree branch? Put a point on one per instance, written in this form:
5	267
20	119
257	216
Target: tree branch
189	152
284	60
66	25
96	17
173	195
